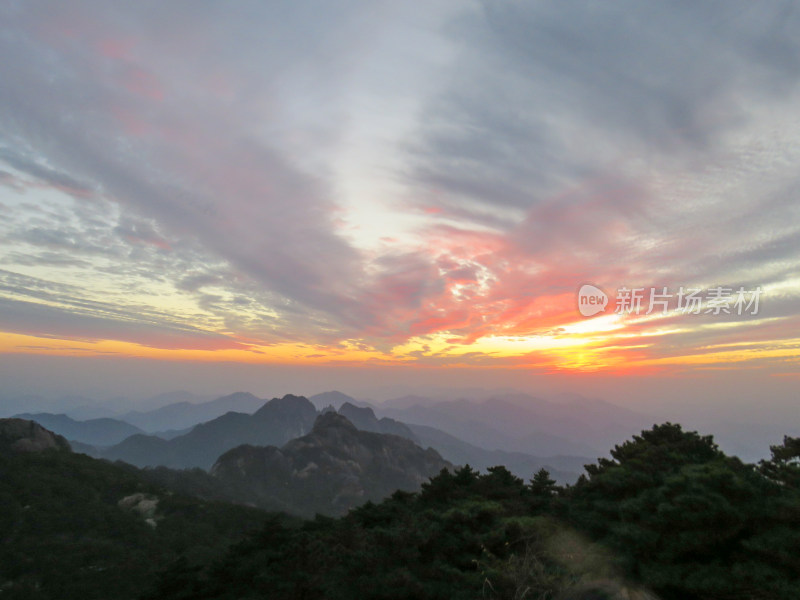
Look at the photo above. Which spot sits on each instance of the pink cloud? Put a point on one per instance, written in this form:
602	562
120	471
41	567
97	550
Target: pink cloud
143	83
116	48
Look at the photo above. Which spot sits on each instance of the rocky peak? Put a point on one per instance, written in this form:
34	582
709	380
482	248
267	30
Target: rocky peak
364	419
330	470
332	420
20	435
333	398
351	411
289	404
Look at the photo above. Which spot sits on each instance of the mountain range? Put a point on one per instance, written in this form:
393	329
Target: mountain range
185	414
565	424
524	423
82	408
564	469
363	417
281	420
330	470
76	527
447	427
274	424
97	432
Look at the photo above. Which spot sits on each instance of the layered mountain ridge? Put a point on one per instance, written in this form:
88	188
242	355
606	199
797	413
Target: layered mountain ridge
274	424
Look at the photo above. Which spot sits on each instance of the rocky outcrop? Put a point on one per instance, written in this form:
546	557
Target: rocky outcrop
21	435
145	505
94	432
332	469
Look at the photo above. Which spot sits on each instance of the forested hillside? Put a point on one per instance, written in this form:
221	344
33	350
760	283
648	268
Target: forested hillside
669	513
73	527
668	516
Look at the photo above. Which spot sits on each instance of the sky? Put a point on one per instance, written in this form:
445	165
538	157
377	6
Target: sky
366	194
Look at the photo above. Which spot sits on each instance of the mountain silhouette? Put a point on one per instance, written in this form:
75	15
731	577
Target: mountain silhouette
275	423
184	414
332	469
96	432
364	418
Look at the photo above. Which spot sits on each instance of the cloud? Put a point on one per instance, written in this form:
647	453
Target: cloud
622	144
208	166
201	169
549	97
55	311
52	259
45	174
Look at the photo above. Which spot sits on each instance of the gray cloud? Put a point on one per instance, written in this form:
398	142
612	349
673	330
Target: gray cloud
131	326
205	173
45	174
547	95
51	259
620	138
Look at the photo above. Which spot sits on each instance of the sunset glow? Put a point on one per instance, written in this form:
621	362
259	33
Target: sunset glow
211	193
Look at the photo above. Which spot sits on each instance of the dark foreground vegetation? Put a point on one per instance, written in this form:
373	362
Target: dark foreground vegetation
670	513
66	531
668	516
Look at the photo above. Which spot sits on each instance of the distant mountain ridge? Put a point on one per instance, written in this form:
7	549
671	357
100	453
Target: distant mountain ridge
524	423
333	398
564	469
282	419
96	432
364	419
274	423
185	414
